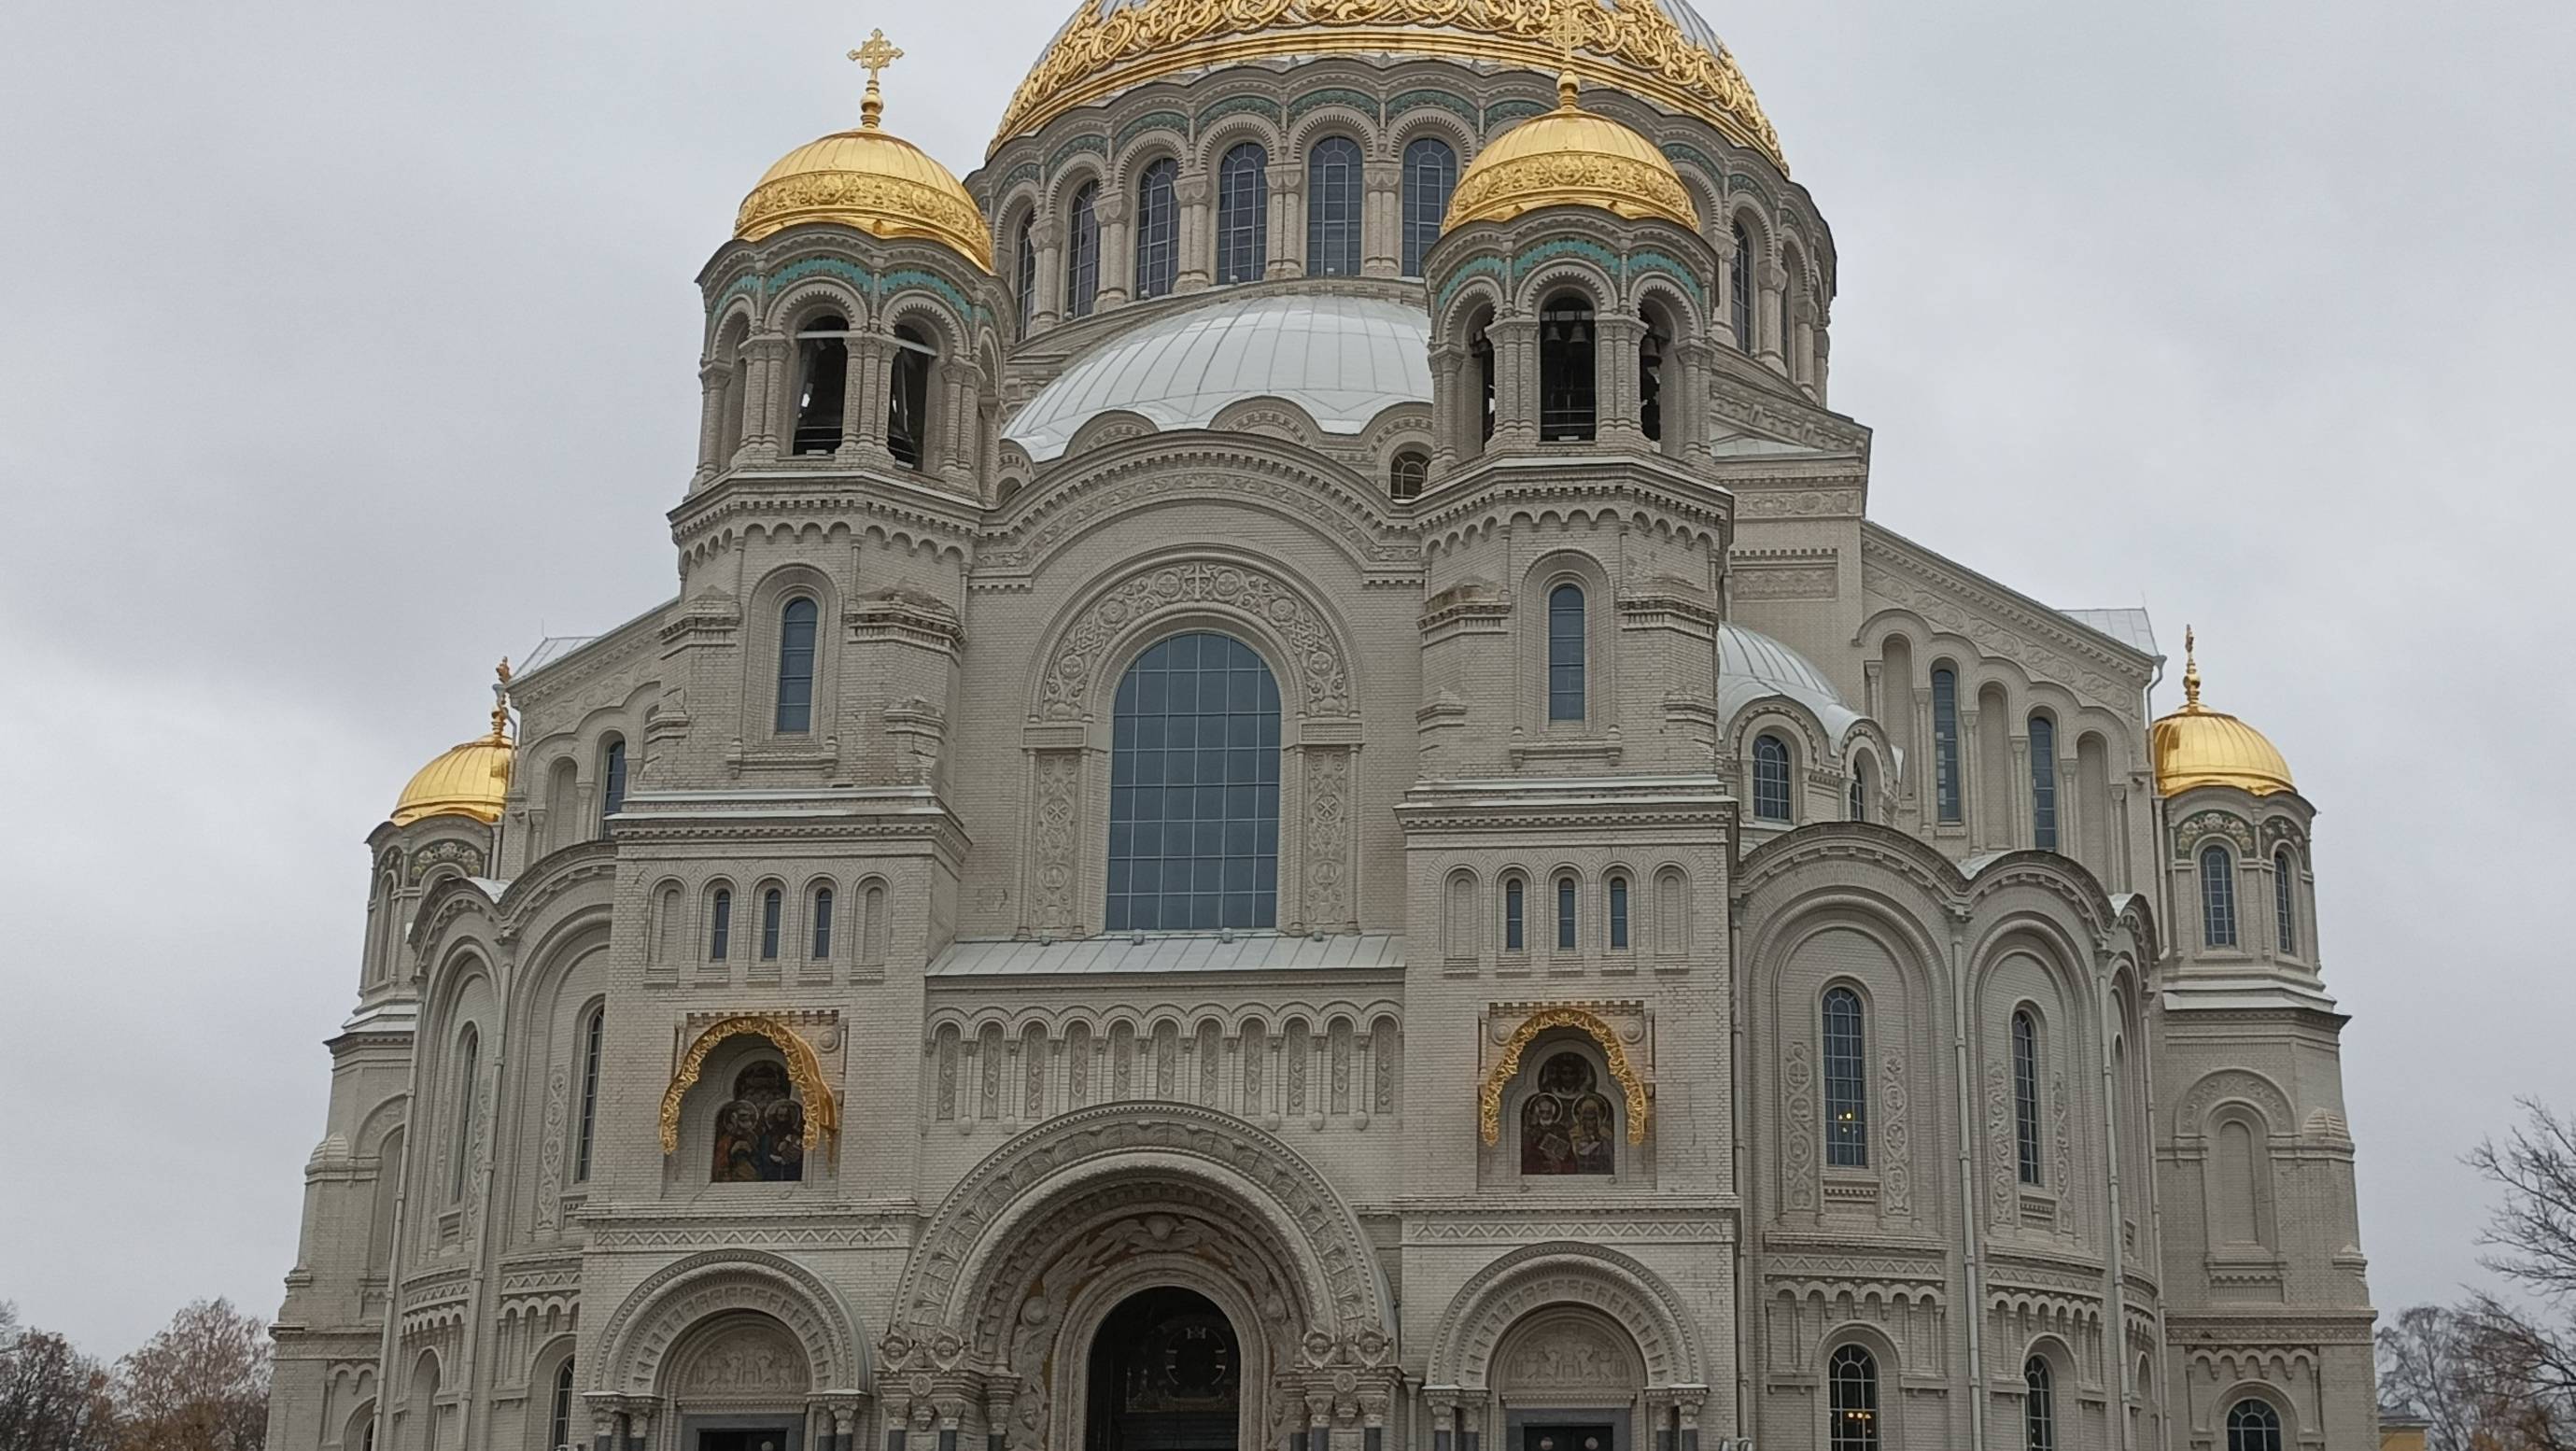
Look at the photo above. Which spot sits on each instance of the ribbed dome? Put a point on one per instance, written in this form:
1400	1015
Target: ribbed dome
1570	158
468	780
873	180
2197	746
1752	665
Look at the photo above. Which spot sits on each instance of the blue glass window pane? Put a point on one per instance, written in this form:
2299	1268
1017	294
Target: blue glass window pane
1618	914
773	912
2025	1051
1194	804
1846	1081
822	922
1082	254
1565	914
1515	924
2285	908
1945	745
612	784
2217	897
1770	778
1333	191
796	667
1430	176
720	927
1158	229
1242	214
1739	290
2043	783
1565	653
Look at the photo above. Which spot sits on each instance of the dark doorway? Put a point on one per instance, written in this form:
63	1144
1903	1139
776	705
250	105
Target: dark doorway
763	1440
1166	1375
1565	1438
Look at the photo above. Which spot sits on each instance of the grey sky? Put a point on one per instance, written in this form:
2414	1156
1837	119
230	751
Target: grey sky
353	346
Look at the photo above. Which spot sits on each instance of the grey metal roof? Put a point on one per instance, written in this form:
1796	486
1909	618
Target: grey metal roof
2130	627
1344	360
1168	952
1751	665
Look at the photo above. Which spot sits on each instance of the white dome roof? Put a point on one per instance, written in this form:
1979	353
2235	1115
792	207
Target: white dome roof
1751	665
1344	360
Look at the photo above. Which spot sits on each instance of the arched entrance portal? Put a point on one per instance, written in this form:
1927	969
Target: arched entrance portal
1166	1374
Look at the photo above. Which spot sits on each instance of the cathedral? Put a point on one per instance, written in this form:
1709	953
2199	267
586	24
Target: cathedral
1289	804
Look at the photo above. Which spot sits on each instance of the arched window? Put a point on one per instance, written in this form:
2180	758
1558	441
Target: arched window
2285	902
1846	1081
1852	1383
1566	936
593	1031
1569	396
1515	916
1082	253
1404	477
2253	1425
1739	290
773	917
1158	229
2043	783
1333	198
908	396
1194	789
720	925
469	1070
822	375
1945	744
822	923
1025	272
796	625
559	1416
2025	1070
612	778
1650	377
1618	912
1242	214
1565	653
1770	778
1430	175
2038	1406
1861	772
2217	897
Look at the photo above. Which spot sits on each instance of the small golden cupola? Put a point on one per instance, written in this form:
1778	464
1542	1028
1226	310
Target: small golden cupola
2196	746
1570	157
870	179
468	780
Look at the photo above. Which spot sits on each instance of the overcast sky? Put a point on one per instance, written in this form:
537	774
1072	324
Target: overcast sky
353	346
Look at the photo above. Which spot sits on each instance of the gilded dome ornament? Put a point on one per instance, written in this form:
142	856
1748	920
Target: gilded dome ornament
471	780
1570	157
2196	746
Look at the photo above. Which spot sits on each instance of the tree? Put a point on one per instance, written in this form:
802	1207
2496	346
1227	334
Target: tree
201	1384
52	1398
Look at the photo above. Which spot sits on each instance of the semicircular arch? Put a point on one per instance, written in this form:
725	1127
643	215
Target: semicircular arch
661	1312
1564	1272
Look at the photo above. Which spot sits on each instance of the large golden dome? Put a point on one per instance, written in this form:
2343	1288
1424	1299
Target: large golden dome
2197	746
1661	50
1570	158
870	179
468	780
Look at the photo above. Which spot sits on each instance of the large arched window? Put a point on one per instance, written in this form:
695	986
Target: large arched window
1242	214
1024	273
822	923
720	925
559	1412
2038	1405
1770	778
908	396
612	778
1739	290
2285	902
2253	1425
1158	229
1945	745
1852	1385
773	920
1082	253
1430	175
822	379
1846	1081
585	1135
2043	783
1194	789
1334	189
1569	390
2025	1074
1406	475
2217	897
469	1072
796	626
1565	685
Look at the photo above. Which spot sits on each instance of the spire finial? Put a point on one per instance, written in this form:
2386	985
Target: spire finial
873	58
501	703
1568	31
2190	669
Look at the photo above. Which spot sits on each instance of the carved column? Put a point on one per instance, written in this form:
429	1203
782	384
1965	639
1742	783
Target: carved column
1772	280
763	400
1192	192
1515	381
639	1422
1048	236
1685	401
1116	213
712	380
1382	230
865	383
1287	221
603	1422
1617	394
1721	302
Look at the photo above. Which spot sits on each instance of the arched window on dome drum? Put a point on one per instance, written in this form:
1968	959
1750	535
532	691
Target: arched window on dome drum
1852	1387
1650	377
2043	783
1945	745
1480	346
1194	789
1334	192
1846	1081
612	778
1566	934
1082	253
1515	916
2038	1405
2285	902
1770	778
1565	630
773	918
469	1071
796	626
585	1134
2025	1068
1242	214
908	396
1861	772
2217	897
822	379
1404	477
1739	289
2253	1425
1158	229
822	923
1569	389
1024	273
1430	176
720	925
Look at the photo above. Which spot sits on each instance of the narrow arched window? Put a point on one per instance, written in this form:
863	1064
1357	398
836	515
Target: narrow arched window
1515	916
1650	377
720	925
822	923
2217	897
1852	1386
1618	912
1566	936
1846	1081
773	917
1194	789
2025	1074
2038	1406
2253	1425
1480	347
612	778
1025	273
1405	477
2043	783
469	1072
1860	783
796	625
1569	394
1739	289
1565	684
1430	176
2285	902
559	1416
1242	214
593	1032
908	396
822	378
1770	778
1158	229
1082	252
1945	745
1334	189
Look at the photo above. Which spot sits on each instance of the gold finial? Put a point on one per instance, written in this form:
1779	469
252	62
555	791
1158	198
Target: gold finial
873	58
501	703
1568	31
2190	669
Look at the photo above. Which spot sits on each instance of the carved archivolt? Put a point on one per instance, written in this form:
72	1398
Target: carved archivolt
2239	1085
639	1338
1318	670
1508	1065
804	1069
1563	1272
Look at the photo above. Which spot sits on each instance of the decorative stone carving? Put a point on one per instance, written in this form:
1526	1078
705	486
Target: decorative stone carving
1318	669
1055	840
550	1157
2004	1172
1328	838
1568	1355
1798	1113
1896	1149
747	1362
2061	1110
1562	1272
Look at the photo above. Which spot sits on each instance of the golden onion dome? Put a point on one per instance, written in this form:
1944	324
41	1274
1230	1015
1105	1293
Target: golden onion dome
2197	746
468	780
1570	158
870	179
1662	50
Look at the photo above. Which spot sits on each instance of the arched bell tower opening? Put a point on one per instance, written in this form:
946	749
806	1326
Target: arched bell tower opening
1165	1374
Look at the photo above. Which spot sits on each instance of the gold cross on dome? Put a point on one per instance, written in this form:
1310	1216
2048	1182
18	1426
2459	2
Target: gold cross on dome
873	58
1568	30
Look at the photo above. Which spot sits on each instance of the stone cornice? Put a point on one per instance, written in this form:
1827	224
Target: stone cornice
909	513
1647	485
626	644
1892	554
1519	805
